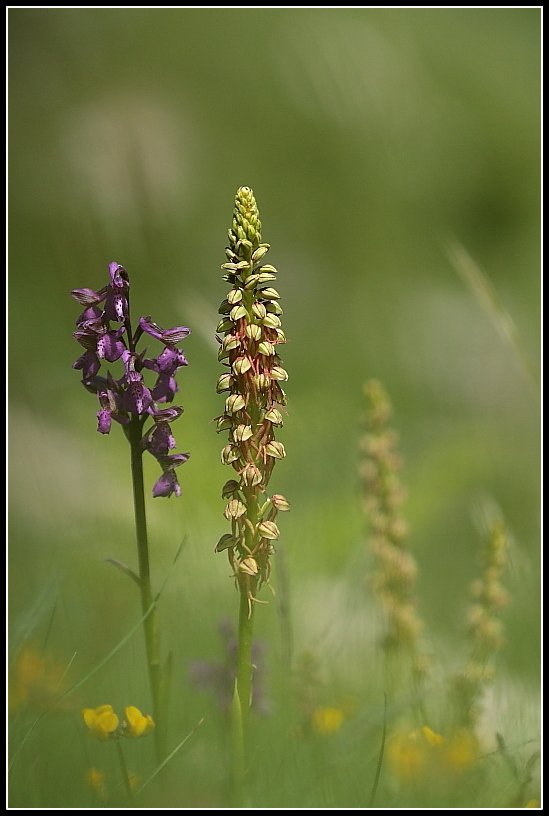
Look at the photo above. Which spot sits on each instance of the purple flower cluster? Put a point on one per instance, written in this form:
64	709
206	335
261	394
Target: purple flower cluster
129	399
219	676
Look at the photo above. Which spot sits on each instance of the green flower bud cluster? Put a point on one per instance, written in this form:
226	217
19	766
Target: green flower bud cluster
395	573
249	334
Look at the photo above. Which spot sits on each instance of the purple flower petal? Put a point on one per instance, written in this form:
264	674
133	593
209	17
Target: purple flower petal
91	313
104	421
172	336
88	363
87	297
110	346
169	360
161	440
165	388
167	336
116	307
167	414
147	325
119	276
173	460
137	397
166	485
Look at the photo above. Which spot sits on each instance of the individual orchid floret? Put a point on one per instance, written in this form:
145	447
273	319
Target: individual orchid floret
167	484
89	363
111	408
166	366
116	303
160	440
110	345
137	397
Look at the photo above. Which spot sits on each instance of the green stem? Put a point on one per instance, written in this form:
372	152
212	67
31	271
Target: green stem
243	689
124	769
150	622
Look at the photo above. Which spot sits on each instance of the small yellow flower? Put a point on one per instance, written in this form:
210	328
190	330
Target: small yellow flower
96	781
327	720
431	737
137	724
460	751
532	803
35	679
408	756
101	721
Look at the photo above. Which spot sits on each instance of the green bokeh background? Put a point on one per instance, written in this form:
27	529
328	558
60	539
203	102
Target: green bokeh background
373	139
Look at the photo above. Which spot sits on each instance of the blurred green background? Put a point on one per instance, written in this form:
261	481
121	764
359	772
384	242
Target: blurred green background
379	143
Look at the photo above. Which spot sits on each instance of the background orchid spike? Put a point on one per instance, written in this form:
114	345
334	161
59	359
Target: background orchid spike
129	400
249	335
485	629
395	573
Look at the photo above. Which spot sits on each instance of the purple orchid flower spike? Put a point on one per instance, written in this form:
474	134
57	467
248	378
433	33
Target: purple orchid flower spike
104	330
130	399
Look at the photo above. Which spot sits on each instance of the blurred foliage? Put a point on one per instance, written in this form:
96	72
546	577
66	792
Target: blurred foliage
392	152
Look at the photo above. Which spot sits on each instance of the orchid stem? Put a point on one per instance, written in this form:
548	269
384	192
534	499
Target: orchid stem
243	690
150	620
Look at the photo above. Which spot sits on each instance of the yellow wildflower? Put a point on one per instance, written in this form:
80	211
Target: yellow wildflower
431	737
327	720
532	803
423	756
36	680
96	781
408	755
136	723
460	751
101	721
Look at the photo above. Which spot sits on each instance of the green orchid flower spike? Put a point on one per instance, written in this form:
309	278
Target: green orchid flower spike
249	335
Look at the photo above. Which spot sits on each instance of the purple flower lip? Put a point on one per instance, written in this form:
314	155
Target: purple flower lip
110	346
89	363
167	484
